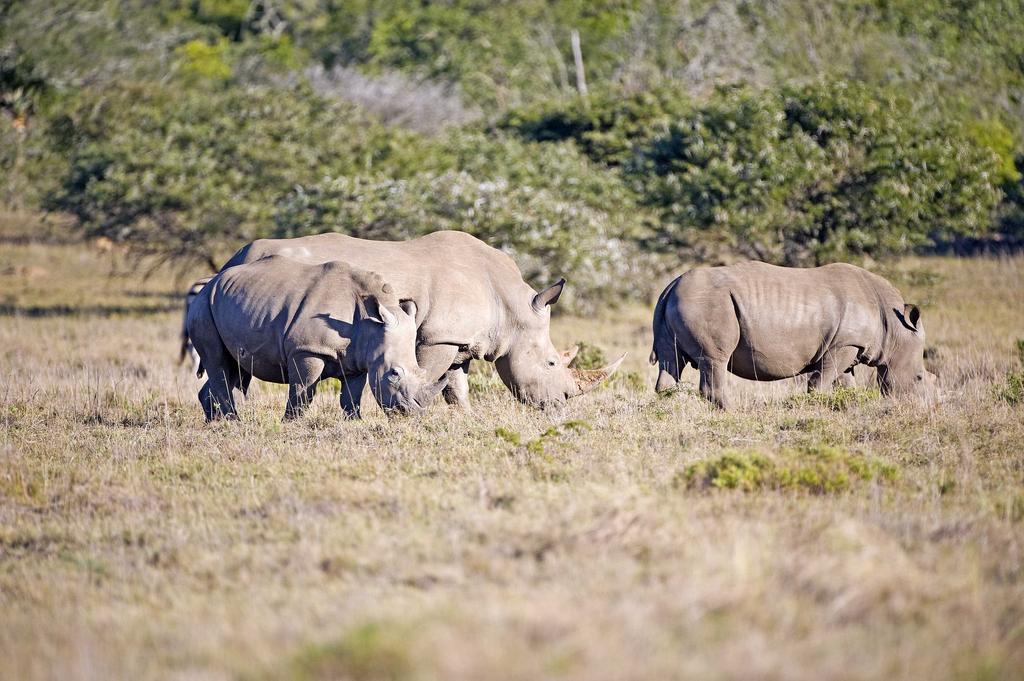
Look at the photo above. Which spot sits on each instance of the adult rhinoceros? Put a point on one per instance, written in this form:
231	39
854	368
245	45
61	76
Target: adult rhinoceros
472	303
286	321
763	322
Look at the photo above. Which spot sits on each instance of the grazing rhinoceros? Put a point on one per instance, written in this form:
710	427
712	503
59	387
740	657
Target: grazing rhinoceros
472	303
765	323
286	321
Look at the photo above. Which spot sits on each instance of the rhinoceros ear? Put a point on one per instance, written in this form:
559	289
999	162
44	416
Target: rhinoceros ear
913	314
548	296
409	307
910	316
389	318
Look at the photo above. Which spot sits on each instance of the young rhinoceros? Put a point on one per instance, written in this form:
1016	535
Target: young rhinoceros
284	321
765	323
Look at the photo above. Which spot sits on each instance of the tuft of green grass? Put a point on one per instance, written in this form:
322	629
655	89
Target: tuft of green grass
1011	390
839	398
371	652
631	380
818	470
1011	510
507	435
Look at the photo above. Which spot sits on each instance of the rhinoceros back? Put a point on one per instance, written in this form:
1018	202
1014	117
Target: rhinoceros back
462	287
782	320
265	309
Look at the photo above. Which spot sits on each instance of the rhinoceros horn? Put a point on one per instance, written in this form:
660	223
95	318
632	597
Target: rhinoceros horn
588	379
569	355
430	391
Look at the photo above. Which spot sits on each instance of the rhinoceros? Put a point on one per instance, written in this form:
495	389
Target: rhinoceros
762	322
472	303
285	321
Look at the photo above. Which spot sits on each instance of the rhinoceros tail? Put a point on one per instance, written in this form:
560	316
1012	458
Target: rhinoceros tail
665	353
658	323
186	342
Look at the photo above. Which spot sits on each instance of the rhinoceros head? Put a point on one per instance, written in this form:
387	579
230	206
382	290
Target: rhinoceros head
902	372
533	369
396	380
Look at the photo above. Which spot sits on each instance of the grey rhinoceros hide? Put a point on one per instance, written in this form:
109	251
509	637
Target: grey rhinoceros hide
285	321
472	303
763	322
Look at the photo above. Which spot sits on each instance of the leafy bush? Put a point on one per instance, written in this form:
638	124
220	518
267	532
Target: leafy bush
589	356
608	126
548	235
797	176
200	60
188	173
181	128
814	174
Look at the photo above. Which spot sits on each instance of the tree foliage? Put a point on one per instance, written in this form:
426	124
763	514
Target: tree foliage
815	174
549	235
183	173
715	129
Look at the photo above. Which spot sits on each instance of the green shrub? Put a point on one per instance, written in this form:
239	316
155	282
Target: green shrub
608	126
547	235
798	175
815	469
200	60
589	357
807	175
194	173
731	470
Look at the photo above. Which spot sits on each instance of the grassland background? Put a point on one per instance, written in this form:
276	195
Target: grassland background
505	543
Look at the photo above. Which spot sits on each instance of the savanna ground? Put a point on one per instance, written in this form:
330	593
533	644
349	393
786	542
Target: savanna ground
630	536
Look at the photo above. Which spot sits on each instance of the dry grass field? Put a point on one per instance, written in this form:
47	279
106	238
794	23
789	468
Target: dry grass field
631	536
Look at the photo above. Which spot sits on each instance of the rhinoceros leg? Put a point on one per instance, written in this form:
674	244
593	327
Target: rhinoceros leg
436	361
712	380
457	390
216	395
352	395
207	401
832	368
304	373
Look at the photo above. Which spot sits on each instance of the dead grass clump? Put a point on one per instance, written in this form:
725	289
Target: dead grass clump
818	470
